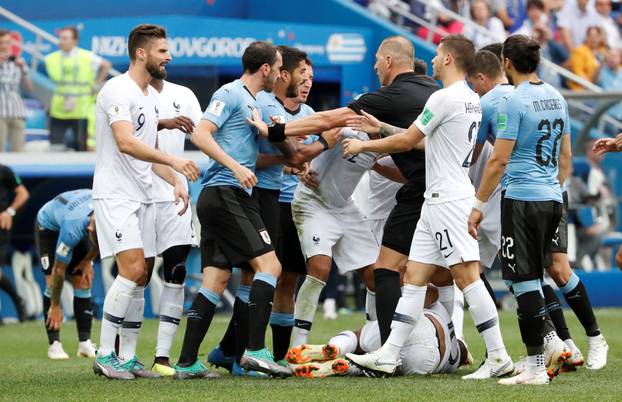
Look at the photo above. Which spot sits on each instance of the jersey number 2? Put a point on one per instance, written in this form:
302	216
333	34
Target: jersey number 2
467	160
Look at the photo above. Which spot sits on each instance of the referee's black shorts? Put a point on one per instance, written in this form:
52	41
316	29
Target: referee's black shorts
290	252
400	226
232	231
560	239
527	229
45	243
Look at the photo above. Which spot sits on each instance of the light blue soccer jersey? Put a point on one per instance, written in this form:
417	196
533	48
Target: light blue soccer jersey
535	115
68	213
490	104
290	182
270	177
229	108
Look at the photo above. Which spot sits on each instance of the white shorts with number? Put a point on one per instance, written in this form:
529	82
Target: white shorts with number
343	234
172	229
124	225
441	237
420	354
489	233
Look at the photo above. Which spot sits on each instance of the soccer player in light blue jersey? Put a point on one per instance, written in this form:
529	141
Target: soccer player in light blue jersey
533	149
67	244
232	231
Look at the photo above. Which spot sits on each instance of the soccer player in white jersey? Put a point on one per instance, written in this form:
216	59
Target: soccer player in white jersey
174	233
449	125
431	348
126	126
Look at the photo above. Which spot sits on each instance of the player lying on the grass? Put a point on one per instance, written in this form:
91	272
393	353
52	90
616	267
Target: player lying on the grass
66	244
431	347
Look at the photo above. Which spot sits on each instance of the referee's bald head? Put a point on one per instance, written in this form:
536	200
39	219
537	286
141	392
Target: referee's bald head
399	48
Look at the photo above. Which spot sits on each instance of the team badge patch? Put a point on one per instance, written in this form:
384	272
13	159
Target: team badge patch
426	116
502	121
63	249
265	236
216	107
45	262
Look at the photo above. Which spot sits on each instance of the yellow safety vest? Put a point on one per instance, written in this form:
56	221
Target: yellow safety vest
74	78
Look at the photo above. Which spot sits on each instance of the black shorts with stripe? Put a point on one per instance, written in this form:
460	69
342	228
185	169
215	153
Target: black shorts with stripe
560	239
290	252
232	232
527	229
45	242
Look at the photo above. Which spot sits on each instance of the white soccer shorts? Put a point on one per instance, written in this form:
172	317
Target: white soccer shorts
377	228
172	229
441	237
343	234
124	225
489	233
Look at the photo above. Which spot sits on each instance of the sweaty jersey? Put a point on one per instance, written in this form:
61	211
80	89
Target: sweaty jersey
339	176
449	122
175	100
229	108
535	115
118	175
68	214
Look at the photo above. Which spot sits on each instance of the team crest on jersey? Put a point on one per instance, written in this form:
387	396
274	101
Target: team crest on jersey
265	236
316	239
502	121
216	107
63	249
426	116
45	262
118	235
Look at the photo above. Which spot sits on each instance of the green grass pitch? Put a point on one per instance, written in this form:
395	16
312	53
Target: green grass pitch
27	374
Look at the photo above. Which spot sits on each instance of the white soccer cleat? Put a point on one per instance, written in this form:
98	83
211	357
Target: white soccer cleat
597	352
330	309
86	349
527	377
557	355
520	366
56	352
375	361
576	359
491	368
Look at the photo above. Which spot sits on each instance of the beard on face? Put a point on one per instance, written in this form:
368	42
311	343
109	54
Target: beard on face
155	70
292	90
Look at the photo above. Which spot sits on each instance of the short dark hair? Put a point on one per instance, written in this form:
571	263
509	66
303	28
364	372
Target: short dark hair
420	67
4	32
256	55
523	52
487	63
496	48
308	61
291	57
461	48
74	31
539	4
143	34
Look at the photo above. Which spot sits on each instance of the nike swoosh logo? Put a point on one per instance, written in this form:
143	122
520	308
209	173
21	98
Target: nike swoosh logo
449	254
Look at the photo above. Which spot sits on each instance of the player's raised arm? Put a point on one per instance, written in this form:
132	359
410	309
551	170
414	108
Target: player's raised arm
396	143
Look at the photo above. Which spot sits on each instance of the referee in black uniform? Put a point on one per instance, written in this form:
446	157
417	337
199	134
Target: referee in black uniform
399	102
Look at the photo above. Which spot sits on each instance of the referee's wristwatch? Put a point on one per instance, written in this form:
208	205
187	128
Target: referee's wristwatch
11	211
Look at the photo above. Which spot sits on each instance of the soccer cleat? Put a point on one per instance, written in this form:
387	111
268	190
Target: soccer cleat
238	371
491	368
56	351
597	352
163	369
576	359
557	354
196	371
218	359
86	349
322	369
262	360
527	377
110	367
138	369
520	366
282	363
305	353
375	361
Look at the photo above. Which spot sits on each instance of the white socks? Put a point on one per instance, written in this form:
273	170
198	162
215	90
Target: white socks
171	308
116	303
370	306
486	318
346	341
536	363
130	329
458	315
446	297
304	309
408	311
